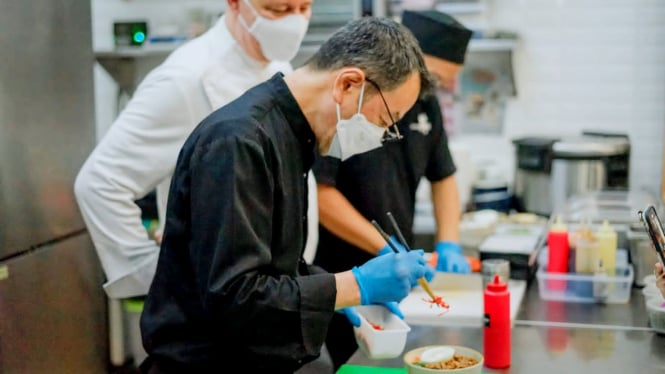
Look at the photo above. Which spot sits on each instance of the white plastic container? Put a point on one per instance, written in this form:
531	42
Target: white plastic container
649	279
642	255
656	310
651	291
387	342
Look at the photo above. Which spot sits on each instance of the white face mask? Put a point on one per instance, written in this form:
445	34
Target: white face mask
355	135
279	38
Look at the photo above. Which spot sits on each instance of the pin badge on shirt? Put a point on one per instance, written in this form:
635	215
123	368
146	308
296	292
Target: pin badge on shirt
423	125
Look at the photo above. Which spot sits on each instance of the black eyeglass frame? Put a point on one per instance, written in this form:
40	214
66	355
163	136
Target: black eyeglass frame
388	136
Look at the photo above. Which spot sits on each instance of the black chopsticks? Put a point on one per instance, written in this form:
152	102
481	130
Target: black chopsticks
398	232
422	281
385	236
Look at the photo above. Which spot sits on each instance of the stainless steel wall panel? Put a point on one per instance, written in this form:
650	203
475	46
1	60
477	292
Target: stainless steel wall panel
46	117
53	311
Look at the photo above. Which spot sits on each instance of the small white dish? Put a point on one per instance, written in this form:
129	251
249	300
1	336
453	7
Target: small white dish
656	311
649	279
651	291
381	334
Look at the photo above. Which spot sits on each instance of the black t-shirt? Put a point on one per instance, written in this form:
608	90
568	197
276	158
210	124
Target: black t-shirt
385	180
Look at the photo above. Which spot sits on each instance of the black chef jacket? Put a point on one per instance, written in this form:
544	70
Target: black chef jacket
385	180
229	290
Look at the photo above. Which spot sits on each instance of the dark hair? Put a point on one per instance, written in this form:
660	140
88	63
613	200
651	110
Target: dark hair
385	50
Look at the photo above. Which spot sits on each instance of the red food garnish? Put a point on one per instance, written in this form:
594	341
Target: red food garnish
438	301
375	326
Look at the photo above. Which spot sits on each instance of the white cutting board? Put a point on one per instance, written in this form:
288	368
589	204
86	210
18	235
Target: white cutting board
464	293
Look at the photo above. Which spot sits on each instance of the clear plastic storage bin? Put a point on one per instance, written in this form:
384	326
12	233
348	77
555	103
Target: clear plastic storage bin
586	288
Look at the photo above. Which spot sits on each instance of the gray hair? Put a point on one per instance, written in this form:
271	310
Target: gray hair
385	50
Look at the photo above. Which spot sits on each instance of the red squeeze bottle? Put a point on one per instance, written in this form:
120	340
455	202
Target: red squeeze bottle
558	248
496	333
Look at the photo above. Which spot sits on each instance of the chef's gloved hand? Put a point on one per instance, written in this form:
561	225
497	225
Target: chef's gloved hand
386	248
429	272
450	258
389	277
352	314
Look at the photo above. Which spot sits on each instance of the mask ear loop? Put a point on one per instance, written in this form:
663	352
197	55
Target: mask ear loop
251	7
256	14
360	101
360	98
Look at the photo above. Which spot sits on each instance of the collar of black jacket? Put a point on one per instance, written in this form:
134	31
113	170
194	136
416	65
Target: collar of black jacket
295	116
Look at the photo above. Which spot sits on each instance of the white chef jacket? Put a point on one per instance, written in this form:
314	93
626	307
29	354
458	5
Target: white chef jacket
139	152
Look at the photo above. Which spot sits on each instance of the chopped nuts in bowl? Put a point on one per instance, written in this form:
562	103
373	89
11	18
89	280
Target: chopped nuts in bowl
443	359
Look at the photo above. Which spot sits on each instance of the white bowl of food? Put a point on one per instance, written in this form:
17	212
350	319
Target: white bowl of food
656	311
649	279
443	359
651	291
381	333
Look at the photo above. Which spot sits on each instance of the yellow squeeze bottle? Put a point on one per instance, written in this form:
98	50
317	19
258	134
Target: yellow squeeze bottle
586	252
607	243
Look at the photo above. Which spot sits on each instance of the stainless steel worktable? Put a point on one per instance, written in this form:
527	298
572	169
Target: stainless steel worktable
555	337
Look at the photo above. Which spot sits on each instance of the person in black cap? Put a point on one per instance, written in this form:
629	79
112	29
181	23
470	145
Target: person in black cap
365	187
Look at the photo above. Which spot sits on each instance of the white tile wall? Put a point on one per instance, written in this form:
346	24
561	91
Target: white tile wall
585	64
580	64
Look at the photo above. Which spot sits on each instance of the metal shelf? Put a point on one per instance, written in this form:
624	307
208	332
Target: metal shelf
461	8
492	44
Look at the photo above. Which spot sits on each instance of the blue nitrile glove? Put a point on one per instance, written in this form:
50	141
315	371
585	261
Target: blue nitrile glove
352	314
451	258
386	248
429	273
389	277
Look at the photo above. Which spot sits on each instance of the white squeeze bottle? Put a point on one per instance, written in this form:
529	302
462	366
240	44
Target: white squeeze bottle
607	243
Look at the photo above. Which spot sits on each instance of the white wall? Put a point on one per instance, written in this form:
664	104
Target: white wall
579	65
585	65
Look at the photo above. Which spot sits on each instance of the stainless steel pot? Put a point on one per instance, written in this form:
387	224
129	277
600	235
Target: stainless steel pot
580	165
550	170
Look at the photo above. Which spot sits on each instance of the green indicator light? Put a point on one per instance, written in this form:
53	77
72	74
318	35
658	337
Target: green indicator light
139	37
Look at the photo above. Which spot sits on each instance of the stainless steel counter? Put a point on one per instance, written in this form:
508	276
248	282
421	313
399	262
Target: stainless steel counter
555	337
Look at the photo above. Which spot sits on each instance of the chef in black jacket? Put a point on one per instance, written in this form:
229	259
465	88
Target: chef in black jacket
231	290
367	186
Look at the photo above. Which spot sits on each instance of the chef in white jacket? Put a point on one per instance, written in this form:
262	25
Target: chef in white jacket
251	42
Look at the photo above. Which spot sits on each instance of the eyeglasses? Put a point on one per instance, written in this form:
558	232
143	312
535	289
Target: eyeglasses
389	135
